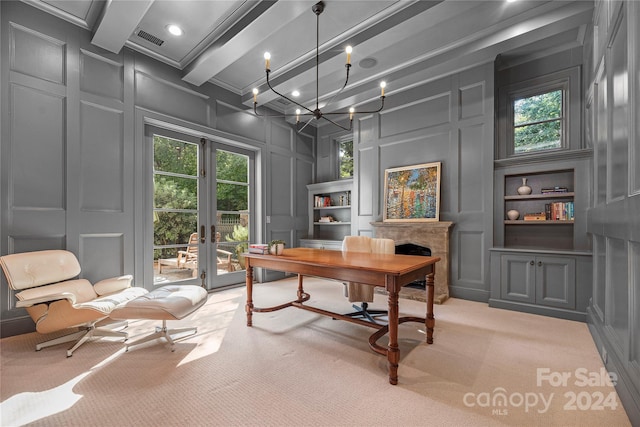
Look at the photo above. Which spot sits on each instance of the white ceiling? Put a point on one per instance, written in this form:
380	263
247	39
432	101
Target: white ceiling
411	41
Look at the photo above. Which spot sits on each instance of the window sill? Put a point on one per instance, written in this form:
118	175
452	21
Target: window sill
523	159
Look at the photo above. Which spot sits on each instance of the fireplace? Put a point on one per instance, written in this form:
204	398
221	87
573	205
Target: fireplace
413	249
432	235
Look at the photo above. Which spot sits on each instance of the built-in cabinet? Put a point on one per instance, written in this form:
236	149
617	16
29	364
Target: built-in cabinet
541	260
554	283
330	219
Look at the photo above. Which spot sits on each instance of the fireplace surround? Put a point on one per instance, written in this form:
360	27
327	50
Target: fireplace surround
433	235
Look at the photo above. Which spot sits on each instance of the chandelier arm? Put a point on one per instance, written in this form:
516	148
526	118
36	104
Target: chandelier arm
341	89
285	97
305	125
335	113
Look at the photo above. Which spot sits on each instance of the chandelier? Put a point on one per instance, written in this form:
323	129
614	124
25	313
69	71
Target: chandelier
316	113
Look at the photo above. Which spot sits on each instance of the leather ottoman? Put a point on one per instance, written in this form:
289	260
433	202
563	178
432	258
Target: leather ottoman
171	302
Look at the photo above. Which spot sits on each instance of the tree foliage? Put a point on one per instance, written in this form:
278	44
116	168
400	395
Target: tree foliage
346	158
235	168
537	122
176	190
173	227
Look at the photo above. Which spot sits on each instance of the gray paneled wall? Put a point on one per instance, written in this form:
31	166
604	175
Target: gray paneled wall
613	101
450	121
73	158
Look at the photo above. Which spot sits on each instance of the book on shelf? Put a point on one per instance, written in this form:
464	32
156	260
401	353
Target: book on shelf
535	216
549	190
559	211
322	201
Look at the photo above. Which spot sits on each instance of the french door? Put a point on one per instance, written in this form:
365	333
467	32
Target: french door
202	218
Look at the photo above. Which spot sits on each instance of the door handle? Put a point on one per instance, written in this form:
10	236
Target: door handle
203	238
213	234
531	262
539	263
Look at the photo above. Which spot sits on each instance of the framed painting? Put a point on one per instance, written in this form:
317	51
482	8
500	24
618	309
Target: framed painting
412	193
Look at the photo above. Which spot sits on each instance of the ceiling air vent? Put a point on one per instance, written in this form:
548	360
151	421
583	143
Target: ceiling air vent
150	38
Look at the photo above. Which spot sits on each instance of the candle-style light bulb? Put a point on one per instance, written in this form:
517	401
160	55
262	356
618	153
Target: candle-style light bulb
297	115
349	49
255	95
382	86
351	111
267	60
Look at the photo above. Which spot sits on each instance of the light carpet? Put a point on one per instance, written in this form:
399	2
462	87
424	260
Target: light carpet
487	367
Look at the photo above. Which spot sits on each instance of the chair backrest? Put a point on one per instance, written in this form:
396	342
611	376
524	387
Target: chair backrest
32	269
192	249
368	244
356	244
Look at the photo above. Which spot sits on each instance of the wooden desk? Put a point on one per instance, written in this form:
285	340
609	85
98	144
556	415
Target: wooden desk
388	271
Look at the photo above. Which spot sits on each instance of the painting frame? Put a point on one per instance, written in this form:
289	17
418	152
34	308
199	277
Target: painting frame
404	201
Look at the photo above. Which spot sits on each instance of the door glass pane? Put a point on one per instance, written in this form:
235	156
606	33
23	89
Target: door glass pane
232	204
175	213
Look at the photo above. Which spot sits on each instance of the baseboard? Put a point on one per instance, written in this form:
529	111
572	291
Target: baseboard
469	294
629	395
559	313
16	326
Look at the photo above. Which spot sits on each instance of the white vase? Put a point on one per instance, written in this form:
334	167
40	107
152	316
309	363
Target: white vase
276	249
524	189
513	214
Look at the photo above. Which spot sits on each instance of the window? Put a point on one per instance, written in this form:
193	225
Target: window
345	157
538	122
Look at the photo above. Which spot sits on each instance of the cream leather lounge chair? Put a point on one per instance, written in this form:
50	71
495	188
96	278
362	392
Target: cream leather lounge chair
56	301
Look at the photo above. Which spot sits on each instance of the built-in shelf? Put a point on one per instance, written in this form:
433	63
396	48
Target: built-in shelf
322	208
336	195
537	222
333	223
567	195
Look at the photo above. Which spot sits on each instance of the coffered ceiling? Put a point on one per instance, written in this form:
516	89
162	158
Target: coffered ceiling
402	42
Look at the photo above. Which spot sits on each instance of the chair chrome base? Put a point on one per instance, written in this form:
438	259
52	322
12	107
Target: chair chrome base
168	334
82	336
365	313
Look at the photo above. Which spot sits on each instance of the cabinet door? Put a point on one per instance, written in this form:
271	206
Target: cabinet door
517	277
556	281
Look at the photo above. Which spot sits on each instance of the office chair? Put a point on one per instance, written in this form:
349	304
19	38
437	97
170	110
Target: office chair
357	292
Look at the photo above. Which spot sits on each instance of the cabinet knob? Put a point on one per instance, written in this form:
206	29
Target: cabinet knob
531	262
539	263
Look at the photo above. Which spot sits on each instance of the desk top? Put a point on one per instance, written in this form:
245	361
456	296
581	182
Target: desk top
383	263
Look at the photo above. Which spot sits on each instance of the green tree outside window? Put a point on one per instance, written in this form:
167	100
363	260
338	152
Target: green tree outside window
538	122
345	158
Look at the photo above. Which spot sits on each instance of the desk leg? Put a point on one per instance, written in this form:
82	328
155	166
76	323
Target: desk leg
393	351
249	307
300	288
430	319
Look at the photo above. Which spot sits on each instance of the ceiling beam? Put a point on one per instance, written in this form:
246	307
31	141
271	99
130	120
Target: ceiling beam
267	22
119	20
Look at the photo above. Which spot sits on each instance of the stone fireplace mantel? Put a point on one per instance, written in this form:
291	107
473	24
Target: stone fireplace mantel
433	235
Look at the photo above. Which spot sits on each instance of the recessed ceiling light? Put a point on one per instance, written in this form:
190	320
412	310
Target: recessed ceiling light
175	30
295	93
368	63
